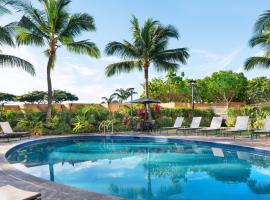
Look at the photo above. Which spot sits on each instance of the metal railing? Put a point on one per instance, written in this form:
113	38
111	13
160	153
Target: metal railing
106	125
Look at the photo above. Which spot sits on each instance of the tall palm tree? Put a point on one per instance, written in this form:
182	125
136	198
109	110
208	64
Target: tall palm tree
6	38
149	46
54	27
261	38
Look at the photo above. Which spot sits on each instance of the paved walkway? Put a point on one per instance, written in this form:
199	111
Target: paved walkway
52	191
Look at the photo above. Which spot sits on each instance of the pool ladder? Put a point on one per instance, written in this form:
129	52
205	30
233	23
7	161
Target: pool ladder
105	126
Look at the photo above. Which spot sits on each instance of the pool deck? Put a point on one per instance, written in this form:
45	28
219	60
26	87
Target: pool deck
49	190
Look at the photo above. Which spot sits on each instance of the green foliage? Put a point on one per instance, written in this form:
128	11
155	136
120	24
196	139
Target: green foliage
173	88
149	46
33	97
5	97
260	39
87	119
223	86
11	116
60	96
123	94
257	115
164	122
258	90
173	113
6	34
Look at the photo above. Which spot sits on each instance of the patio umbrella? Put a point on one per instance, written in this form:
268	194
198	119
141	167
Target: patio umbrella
145	100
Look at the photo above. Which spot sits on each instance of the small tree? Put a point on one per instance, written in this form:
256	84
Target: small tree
258	90
60	96
225	86
33	97
5	98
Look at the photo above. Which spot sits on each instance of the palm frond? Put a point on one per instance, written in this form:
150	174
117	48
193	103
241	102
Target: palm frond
173	55
252	62
122	67
3	9
6	36
77	23
135	28
26	38
163	66
12	61
263	22
84	47
124	50
262	40
33	26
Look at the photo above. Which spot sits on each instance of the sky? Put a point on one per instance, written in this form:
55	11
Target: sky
216	32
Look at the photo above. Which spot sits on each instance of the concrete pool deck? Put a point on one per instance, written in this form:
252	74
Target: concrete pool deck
49	190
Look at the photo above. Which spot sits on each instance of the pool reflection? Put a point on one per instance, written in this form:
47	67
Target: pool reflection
149	170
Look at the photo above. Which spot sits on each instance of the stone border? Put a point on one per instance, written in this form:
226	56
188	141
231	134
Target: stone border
51	190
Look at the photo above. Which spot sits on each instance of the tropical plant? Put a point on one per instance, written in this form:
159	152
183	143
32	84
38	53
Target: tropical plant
5	98
54	27
173	88
261	39
149	46
258	90
109	100
6	38
123	94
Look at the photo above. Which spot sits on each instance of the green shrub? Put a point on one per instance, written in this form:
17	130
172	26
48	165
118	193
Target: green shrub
172	113
164	122
257	115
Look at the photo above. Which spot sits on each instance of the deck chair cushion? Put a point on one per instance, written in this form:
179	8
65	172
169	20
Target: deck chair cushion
6	128
241	123
178	122
9	192
196	121
267	123
216	123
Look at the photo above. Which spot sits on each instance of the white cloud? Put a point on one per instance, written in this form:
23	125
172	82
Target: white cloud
203	62
110	59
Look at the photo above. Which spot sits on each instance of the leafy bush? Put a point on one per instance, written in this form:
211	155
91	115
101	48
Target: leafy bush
164	122
173	113
257	115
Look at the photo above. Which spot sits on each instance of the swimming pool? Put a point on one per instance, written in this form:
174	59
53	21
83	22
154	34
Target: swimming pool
146	168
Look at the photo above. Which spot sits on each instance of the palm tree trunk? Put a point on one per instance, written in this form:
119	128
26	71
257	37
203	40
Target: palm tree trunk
49	83
146	82
147	92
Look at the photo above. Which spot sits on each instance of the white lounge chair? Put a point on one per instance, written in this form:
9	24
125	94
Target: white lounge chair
215	126
177	124
264	131
195	125
241	125
9	133
9	192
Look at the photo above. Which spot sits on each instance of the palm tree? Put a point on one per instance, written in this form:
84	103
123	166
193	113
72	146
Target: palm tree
54	27
261	38
149	46
109	100
6	34
123	94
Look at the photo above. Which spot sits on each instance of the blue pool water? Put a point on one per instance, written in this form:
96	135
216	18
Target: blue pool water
148	170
